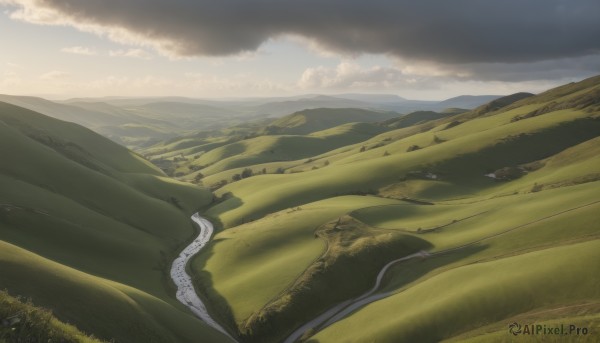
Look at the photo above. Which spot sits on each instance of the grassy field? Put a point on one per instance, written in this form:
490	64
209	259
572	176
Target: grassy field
308	208
431	181
474	295
234	274
88	229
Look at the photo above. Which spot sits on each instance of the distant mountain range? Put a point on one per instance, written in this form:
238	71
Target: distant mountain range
142	121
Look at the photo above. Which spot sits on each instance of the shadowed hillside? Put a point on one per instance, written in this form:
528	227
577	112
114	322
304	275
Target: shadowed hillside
87	229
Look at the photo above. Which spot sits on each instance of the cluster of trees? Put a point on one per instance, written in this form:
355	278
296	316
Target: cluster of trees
247	172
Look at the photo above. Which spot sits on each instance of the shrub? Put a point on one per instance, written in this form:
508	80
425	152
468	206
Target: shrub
247	172
218	185
508	173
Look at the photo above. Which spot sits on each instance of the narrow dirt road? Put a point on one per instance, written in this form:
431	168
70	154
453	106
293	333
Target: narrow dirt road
344	308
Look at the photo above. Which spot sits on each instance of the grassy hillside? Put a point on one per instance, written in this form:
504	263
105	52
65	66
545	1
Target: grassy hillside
264	149
446	304
279	108
121	125
88	228
277	147
137	124
499	202
309	121
488	193
22	320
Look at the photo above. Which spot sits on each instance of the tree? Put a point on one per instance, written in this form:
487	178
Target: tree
218	185
247	172
236	177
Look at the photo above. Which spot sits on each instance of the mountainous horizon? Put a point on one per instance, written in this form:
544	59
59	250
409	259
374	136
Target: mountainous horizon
139	122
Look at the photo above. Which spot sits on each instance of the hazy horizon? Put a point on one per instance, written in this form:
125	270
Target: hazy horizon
225	98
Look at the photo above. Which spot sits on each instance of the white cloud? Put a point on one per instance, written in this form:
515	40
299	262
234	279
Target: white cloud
413	80
350	75
54	75
134	53
79	50
10	79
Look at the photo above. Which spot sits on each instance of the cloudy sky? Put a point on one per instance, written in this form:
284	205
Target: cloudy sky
426	49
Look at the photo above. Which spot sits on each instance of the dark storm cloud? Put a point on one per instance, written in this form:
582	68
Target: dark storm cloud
451	32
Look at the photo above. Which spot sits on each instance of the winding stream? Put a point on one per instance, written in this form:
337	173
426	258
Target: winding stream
186	293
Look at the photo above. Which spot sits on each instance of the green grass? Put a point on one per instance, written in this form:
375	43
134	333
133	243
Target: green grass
255	262
470	296
290	245
377	171
583	315
96	305
309	121
547	213
33	323
266	149
85	223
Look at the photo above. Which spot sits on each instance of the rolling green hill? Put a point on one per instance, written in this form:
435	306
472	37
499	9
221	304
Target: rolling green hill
488	193
490	215
309	121
87	230
291	138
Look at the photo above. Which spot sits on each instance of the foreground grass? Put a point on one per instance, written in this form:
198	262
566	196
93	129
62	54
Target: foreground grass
24	322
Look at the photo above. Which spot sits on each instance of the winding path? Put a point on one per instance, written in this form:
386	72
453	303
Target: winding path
186	293
344	308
